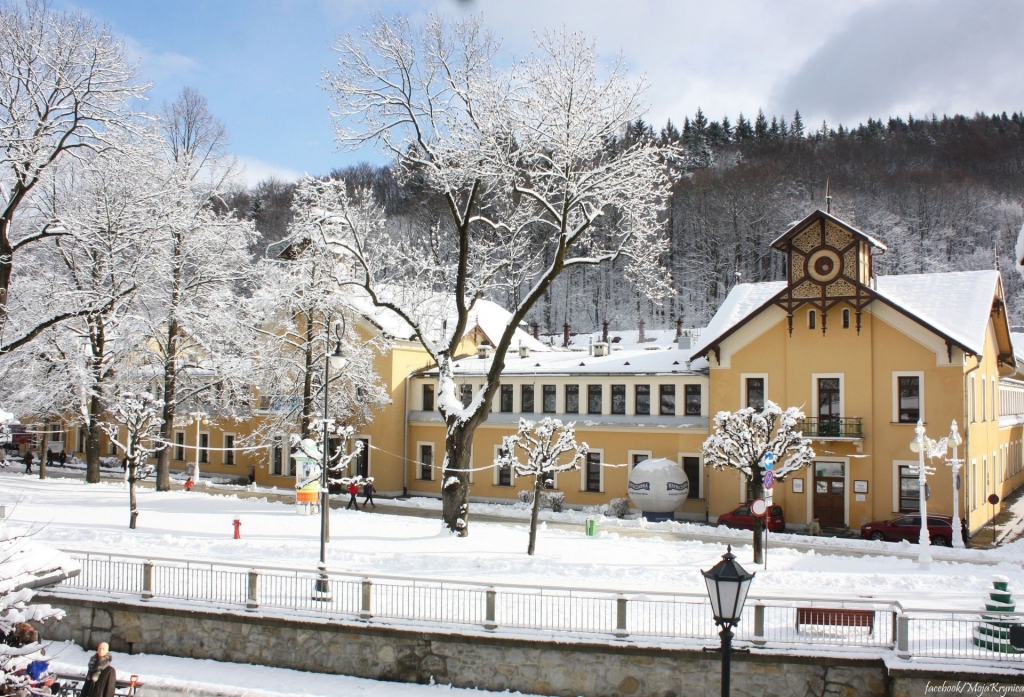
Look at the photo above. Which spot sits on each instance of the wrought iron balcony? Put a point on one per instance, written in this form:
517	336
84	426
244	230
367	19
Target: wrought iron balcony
832	427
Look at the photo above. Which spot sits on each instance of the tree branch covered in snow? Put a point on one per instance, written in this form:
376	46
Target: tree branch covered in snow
138	416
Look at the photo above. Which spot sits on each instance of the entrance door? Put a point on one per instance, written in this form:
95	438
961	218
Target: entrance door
829	494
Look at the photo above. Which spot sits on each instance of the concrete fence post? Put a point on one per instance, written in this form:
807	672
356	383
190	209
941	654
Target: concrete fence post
489	621
621	610
759	624
903	636
364	608
252	596
147	580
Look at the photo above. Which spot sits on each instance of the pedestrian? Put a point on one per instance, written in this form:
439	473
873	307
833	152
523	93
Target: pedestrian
49	457
252	474
189	484
101	678
28	462
814	528
124	464
62	458
368	492
353	492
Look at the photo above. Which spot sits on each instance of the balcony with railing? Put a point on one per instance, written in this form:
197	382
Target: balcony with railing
833	427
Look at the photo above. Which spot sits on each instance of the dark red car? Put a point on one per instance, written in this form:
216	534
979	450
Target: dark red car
908	527
743	519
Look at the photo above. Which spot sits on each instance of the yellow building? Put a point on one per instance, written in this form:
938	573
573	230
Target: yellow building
865	357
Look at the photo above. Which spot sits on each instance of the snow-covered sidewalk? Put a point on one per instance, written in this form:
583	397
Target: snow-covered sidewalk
222	679
71	514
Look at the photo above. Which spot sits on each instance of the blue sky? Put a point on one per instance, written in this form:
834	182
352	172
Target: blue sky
259	62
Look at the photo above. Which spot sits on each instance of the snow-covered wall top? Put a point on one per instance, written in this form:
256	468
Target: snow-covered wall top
636	362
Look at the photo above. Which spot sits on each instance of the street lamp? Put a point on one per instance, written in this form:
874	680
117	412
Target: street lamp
336	361
923	445
728	583
955	464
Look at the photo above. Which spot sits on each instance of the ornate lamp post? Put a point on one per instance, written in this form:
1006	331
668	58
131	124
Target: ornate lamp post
922	446
337	362
728	583
955	463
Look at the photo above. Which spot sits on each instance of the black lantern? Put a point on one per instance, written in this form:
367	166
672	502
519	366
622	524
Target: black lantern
728	584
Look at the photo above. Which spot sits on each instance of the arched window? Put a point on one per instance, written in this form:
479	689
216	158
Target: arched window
846	319
812	319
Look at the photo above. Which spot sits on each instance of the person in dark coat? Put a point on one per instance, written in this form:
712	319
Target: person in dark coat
101	678
368	492
353	492
62	458
28	462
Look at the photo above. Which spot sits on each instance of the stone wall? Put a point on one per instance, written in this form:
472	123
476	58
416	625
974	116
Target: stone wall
466	659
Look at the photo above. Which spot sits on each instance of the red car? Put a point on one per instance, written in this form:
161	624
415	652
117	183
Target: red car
743	519
908	527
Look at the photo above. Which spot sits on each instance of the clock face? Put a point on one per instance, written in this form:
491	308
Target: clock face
824	265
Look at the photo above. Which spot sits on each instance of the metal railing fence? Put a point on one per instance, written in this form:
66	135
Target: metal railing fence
773	621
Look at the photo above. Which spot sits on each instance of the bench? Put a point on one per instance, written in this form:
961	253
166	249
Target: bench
835	617
71	685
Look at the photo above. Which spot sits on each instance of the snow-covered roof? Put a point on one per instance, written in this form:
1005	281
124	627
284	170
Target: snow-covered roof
741	302
568	362
957	305
626	339
1017	339
436	308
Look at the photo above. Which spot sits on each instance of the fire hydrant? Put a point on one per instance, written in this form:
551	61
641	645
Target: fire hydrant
238	524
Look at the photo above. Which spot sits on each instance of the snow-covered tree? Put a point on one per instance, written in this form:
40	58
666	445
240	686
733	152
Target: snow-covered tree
199	335
134	426
66	86
742	439
527	187
550	447
24	567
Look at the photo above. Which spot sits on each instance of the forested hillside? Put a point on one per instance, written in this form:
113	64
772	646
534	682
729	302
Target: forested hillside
943	194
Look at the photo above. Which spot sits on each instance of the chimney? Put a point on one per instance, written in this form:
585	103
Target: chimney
565	334
484	350
600	349
524	351
679	327
641	339
604	331
536	331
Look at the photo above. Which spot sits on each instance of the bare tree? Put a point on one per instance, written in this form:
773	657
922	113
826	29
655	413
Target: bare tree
545	443
65	86
743	438
530	188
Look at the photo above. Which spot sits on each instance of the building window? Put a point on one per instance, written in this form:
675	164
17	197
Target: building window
428	398
204	447
229	449
363	461
909	399
846	319
467	394
668	400
970	401
572	399
812	319
829	399
910	489
618	399
984	392
755	393
277	457
692	400
593	473
549	399
639	457
527	395
643	400
593	399
691	466
506	398
426	461
179	446
504	473
113	448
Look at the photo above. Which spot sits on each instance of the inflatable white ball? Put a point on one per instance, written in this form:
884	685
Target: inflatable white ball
658	486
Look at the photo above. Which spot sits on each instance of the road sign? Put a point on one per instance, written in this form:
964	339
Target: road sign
769	479
993	499
768	461
758	507
768	498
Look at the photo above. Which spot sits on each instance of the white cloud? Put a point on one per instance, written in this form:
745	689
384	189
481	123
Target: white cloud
252	171
160	67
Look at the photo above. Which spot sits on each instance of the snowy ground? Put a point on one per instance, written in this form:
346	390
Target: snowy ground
194	525
231	679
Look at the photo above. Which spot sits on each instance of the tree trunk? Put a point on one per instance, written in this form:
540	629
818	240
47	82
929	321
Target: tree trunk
163	460
307	380
6	264
92	442
534	513
44	450
758	520
455	476
132	503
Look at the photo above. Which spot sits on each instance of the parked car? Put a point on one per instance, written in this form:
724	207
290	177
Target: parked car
908	527
742	519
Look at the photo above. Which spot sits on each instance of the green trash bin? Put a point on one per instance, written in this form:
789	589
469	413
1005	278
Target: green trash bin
591	527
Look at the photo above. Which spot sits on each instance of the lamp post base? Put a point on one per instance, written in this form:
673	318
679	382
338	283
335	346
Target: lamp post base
322	587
